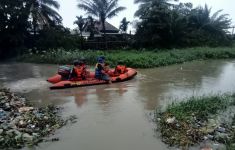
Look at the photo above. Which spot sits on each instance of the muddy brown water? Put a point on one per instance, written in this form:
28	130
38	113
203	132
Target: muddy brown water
118	116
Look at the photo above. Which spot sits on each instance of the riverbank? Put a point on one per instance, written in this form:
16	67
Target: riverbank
132	58
199	120
23	125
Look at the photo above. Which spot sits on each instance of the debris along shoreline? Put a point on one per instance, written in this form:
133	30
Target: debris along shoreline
22	125
207	119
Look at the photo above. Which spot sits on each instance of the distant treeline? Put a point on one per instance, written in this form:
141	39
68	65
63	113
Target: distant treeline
180	25
32	24
36	25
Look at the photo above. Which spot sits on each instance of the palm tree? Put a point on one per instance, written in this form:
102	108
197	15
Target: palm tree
43	12
102	9
220	23
91	27
202	19
147	5
80	22
124	25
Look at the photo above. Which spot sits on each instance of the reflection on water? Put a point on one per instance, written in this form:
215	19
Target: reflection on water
164	85
115	116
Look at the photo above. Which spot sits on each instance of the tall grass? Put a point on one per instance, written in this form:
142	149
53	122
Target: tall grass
186	123
201	107
132	58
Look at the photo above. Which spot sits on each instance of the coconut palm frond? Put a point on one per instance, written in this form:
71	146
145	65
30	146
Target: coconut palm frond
115	12
51	3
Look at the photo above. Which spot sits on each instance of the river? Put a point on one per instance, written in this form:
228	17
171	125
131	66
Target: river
118	116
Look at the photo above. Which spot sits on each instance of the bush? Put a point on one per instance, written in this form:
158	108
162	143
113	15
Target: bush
132	58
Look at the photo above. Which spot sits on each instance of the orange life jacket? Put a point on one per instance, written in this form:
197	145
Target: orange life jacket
120	69
80	71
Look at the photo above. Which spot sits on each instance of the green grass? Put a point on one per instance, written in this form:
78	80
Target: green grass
200	107
132	58
184	130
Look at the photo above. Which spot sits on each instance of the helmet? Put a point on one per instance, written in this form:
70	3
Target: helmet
77	62
101	59
83	60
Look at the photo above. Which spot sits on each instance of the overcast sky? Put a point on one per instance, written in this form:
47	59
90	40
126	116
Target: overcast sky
69	11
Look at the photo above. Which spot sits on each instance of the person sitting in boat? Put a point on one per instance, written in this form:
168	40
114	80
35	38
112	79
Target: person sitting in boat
106	67
108	70
120	68
79	71
100	72
83	64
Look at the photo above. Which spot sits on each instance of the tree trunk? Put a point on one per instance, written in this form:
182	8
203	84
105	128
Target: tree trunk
81	39
34	32
34	28
104	32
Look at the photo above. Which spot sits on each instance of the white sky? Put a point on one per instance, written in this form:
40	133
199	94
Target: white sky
69	11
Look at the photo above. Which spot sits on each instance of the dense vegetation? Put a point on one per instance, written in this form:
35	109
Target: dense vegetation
197	119
36	25
164	24
132	58
102	9
32	24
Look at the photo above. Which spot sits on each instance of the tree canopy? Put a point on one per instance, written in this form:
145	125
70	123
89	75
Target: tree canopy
43	12
102	9
164	24
124	25
36	24
24	21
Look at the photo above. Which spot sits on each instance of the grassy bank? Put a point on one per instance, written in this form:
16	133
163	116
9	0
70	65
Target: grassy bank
132	58
198	119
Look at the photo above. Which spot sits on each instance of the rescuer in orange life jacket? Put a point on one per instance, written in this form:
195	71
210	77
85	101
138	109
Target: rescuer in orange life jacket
79	71
86	72
120	68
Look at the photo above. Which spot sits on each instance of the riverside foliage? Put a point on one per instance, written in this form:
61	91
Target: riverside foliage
132	58
36	24
164	24
190	122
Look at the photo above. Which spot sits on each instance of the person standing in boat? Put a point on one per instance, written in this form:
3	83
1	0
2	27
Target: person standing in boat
100	72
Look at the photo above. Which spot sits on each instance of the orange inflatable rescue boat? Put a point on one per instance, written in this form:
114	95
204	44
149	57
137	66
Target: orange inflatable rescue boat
60	82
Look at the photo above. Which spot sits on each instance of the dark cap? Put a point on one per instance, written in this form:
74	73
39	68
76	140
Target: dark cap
77	62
